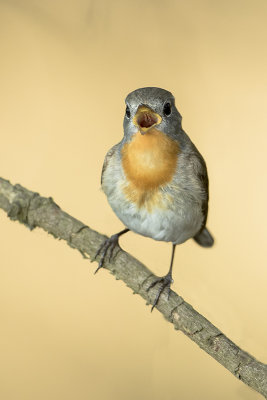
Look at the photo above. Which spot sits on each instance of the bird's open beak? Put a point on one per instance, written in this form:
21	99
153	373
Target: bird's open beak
145	119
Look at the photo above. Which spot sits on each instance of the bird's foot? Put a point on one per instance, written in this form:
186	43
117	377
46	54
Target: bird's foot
165	282
108	246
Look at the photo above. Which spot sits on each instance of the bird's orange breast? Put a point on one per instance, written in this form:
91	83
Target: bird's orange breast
149	162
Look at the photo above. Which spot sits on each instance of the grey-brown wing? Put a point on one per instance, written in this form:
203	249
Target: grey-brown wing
109	155
202	175
203	237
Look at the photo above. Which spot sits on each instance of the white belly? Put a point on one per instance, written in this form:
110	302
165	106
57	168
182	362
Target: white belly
160	224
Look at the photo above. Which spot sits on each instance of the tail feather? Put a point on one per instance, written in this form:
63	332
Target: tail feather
204	238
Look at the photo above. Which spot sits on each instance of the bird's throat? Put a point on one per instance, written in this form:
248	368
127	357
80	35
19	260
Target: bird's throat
150	160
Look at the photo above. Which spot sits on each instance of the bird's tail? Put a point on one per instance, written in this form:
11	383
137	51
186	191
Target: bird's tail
204	238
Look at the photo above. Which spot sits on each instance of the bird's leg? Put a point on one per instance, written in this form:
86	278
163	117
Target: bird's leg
108	246
164	281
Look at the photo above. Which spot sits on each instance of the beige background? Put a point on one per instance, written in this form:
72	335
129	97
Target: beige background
65	69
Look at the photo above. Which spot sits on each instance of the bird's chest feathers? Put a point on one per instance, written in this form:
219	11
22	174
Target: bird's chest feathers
149	162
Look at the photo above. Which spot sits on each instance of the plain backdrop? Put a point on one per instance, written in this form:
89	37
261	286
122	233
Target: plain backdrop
65	69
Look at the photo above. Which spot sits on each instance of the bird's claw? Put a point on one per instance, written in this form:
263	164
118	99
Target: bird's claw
108	246
165	282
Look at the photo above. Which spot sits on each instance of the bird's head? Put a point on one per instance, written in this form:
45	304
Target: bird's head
151	108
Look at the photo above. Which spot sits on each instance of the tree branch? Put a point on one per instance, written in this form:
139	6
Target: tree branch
33	211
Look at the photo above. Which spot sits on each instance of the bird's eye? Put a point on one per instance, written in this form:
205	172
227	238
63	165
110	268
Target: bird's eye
167	109
128	112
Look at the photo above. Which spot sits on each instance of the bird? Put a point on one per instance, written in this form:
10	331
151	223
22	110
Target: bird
155	179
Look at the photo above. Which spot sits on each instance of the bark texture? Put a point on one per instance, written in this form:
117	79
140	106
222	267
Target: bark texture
33	211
